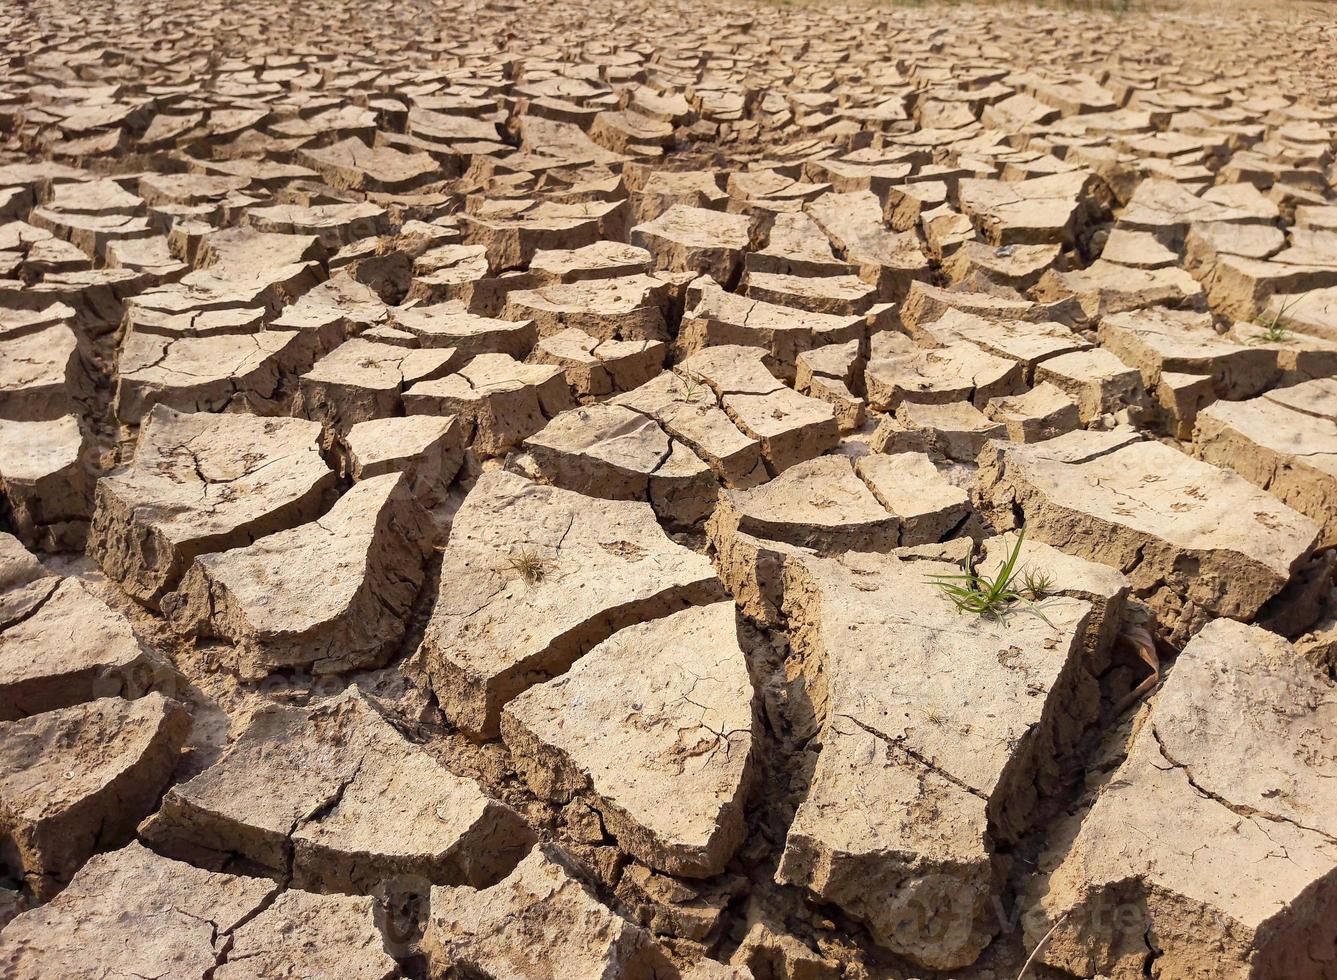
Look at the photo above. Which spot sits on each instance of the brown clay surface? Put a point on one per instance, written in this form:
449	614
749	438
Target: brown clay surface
478	481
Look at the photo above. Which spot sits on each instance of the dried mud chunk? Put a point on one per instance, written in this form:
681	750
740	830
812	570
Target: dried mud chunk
76	780
45	482
688	239
818	507
533	577
17	322
1097	380
1207	243
336	796
613	452
1025	341
819	504
513	235
333	311
150	256
24	583
70	647
930	756
202	483
1179	398
335	225
689	411
1017	266
248	250
98	196
208	374
131	913
715	316
960	372
832	374
447	127
42	374
908	205
659	712
31	254
220	287
179	188
751	567
836	295
427	449
448	273
946	230
766	951
1042	413
595	367
328	597
90	233
1104	288
624	131
451	325
955	430
888	260
1312	311
493	932
602	260
910	486
1079	94
243	267
1211	851
624	308
198	323
667	905
1318	398
1300	356
499	400
832	361
1055	209
1137	249
790	427
327	936
363	380
353	165
926	303
853	173
1105	588
1288	452
796	246
1168	209
1183	342
1195	541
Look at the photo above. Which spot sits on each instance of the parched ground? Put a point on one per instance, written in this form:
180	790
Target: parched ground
482	486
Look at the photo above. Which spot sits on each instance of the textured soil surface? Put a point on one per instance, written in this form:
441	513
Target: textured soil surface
667	491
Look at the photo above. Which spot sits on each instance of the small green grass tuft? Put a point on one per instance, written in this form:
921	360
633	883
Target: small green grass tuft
1277	329
997	595
1037	585
690	387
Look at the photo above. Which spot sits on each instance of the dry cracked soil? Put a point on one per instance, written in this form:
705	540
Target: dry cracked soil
797	490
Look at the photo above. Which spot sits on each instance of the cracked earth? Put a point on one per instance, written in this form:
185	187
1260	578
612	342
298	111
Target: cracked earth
477	482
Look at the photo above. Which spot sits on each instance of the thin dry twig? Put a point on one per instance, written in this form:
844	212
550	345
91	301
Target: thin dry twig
1040	945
